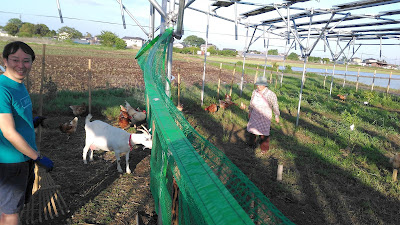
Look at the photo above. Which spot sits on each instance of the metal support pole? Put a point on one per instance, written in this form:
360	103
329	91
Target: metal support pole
334	66
266	54
170	51
59	11
133	18
122	13
152	20
179	24
236	22
304	69
205	55
244	62
169	68
286	42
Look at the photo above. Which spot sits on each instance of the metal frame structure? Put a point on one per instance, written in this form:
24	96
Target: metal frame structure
329	26
333	29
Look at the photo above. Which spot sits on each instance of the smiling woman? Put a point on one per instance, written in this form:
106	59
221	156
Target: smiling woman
18	150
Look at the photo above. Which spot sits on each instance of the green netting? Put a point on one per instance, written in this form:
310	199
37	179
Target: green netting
212	189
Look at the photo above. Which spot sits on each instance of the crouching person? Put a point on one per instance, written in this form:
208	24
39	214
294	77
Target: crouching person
18	150
263	102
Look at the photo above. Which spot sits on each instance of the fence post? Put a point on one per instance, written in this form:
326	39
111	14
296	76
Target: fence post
358	76
219	79
179	86
373	81
390	77
233	76
255	78
90	86
270	77
326	72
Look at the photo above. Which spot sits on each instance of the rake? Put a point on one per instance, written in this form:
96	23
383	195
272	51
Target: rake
45	193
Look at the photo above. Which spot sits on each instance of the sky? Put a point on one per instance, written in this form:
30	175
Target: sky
94	16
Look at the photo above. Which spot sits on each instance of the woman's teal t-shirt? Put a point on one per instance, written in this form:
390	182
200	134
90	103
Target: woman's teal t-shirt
14	99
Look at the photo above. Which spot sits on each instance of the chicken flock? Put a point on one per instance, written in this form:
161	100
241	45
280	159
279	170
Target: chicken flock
128	117
223	104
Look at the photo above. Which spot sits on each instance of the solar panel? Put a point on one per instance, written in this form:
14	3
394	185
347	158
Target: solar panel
279	19
258	11
366	24
363	4
221	3
377	30
291	2
389	13
332	21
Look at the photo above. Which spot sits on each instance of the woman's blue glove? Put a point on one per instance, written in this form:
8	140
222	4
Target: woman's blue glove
45	162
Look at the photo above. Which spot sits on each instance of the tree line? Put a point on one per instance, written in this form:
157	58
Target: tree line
17	27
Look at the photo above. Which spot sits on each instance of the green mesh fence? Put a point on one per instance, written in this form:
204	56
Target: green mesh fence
212	190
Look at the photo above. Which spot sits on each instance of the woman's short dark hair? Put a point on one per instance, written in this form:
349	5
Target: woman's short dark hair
13	47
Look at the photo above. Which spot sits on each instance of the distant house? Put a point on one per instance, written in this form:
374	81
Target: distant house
203	47
3	33
229	49
356	61
82	41
133	41
370	62
63	36
178	45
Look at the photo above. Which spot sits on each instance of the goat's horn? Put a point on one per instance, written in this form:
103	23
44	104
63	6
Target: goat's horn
145	129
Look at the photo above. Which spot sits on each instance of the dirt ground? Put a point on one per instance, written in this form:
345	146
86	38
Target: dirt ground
96	193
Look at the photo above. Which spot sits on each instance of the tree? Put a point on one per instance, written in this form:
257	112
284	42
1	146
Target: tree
293	56
120	44
41	30
212	50
107	38
71	31
11	29
26	30
325	60
88	35
193	40
273	52
15	21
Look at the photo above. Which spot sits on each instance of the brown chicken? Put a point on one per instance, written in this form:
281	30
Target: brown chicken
395	161
243	106
124	120
224	104
212	108
228	98
69	127
78	110
342	97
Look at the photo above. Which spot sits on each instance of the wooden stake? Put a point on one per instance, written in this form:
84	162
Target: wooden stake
358	76
219	79
373	81
179	86
394	176
89	85
325	75
233	76
270	77
279	173
390	77
255	78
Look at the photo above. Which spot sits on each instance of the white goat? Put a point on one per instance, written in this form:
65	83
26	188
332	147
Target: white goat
102	136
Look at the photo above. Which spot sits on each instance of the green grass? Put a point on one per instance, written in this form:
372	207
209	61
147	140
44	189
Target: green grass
323	133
